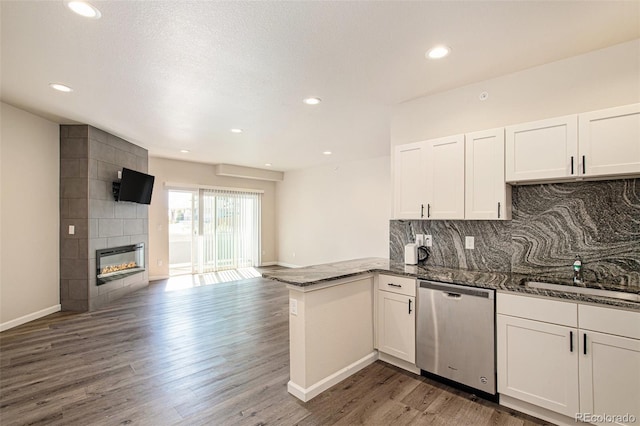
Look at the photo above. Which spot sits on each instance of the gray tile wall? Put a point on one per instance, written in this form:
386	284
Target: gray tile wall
90	161
600	221
74	210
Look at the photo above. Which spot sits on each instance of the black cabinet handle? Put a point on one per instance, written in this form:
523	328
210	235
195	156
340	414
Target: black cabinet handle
584	170
572	164
428	210
409	306
571	341
584	343
498	209
421	210
394	285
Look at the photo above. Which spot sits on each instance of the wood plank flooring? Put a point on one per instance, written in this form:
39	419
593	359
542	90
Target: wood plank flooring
209	355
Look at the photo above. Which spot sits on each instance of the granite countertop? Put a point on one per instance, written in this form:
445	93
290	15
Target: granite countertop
319	274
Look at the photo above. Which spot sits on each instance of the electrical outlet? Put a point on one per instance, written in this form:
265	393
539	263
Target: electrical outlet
72	229
293	306
469	243
159	262
428	240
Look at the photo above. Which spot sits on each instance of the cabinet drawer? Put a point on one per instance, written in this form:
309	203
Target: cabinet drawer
609	320
551	311
400	285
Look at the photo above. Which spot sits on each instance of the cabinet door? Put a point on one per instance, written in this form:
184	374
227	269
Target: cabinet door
487	196
538	363
609	141
445	178
542	150
409	181
397	325
610	375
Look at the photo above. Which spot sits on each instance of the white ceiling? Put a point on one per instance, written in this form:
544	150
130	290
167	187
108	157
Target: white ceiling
171	75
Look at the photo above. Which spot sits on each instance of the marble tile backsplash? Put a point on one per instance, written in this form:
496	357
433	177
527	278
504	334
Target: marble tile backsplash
551	223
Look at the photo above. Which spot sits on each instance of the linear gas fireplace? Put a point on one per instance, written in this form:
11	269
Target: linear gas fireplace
119	262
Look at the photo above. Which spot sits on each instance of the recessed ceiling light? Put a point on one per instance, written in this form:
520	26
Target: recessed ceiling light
83	8
327	153
60	87
236	130
312	101
268	164
185	151
438	52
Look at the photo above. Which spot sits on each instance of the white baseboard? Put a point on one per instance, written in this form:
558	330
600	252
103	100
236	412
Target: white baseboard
324	384
269	263
539	412
30	317
288	265
158	277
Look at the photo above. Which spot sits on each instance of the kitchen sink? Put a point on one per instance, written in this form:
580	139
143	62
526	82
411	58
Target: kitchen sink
632	297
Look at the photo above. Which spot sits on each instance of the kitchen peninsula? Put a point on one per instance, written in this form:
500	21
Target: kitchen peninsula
332	313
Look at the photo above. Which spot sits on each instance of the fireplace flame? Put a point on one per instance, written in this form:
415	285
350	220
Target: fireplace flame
117	268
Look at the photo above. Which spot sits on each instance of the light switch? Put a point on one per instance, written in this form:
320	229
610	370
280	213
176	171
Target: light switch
469	243
293	306
72	229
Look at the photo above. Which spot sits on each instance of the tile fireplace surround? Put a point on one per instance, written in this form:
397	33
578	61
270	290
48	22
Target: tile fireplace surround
89	162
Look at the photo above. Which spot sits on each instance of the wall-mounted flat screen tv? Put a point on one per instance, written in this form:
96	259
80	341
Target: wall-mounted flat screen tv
136	187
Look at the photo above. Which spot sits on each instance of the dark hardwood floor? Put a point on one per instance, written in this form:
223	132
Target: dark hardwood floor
209	355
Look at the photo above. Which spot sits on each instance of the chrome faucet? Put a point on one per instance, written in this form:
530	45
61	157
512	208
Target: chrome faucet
577	270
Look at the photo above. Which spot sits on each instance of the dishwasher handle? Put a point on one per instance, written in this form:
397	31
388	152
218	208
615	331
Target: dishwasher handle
451	295
458	290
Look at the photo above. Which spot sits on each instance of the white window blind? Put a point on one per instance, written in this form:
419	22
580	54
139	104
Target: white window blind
229	229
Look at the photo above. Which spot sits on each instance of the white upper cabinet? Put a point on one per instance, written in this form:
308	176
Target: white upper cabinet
486	194
445	178
409	181
466	176
610	141
589	145
542	150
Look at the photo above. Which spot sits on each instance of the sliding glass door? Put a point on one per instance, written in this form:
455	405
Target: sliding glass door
229	230
183	231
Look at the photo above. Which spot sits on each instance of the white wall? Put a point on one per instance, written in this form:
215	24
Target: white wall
29	217
334	213
596	80
185	172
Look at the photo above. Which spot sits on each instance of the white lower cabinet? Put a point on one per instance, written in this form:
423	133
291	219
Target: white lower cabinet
610	376
396	325
570	358
610	364
537	363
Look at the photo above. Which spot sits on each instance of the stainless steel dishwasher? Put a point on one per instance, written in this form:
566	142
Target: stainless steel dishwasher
455	334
